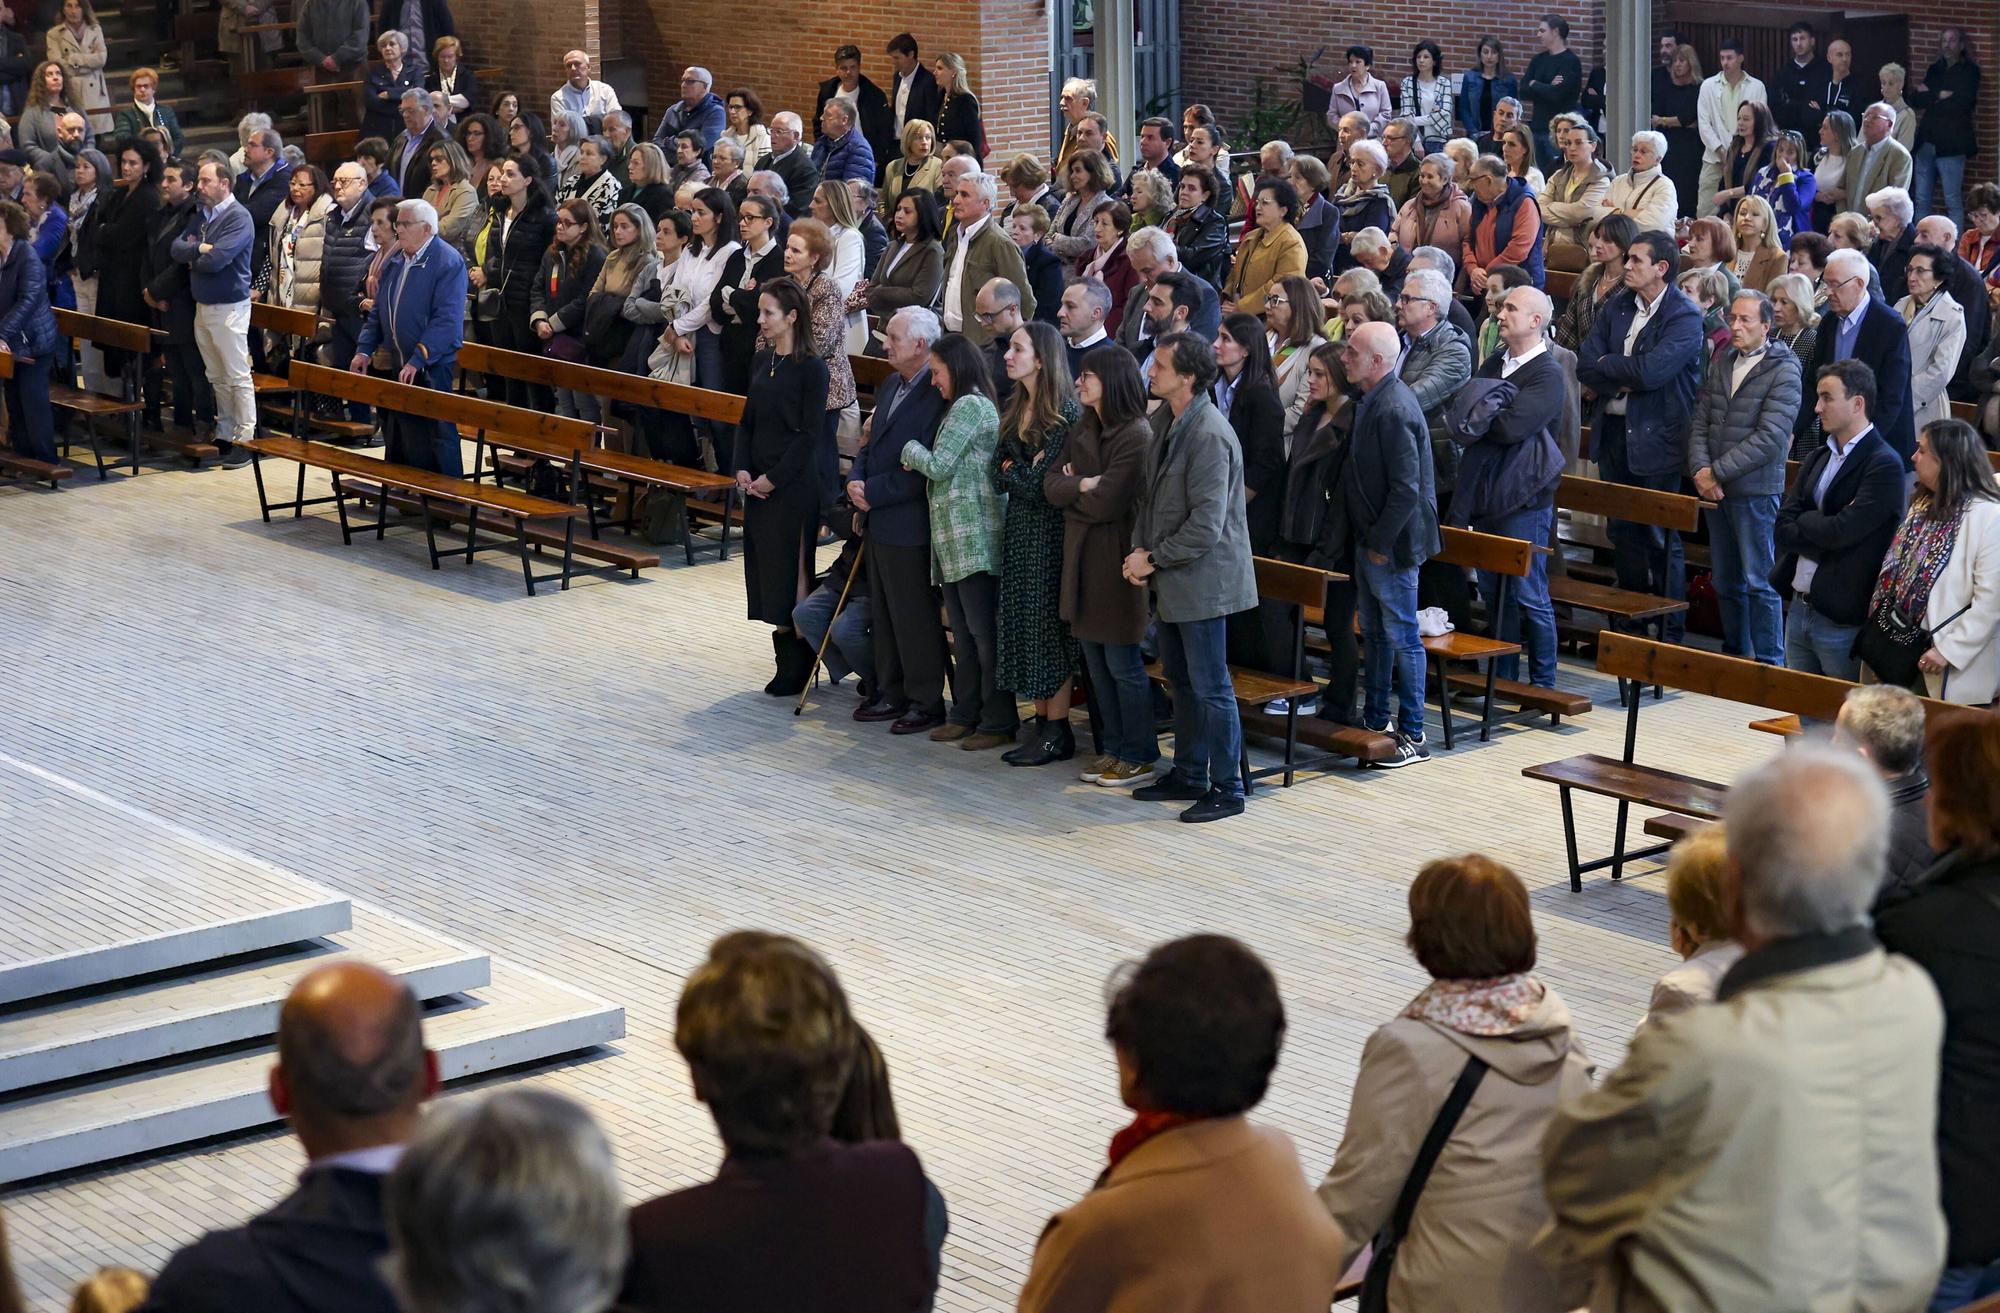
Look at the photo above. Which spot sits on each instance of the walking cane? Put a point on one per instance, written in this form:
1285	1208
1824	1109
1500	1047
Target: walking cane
812	676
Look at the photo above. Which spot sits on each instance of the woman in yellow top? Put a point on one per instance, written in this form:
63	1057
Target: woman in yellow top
1273	249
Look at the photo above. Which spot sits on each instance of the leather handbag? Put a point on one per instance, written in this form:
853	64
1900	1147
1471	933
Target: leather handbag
486	304
1891	643
1375	1285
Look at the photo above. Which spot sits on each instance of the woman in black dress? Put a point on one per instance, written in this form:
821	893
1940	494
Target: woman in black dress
1675	103
775	443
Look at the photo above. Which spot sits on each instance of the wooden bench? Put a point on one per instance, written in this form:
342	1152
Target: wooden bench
329	150
514	510
1559	284
714	494
1510	559
135	341
1622	779
26	469
301	327
1624	608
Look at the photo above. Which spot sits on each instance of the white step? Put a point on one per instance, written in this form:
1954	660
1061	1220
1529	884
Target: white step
521	1017
223	1004
93	891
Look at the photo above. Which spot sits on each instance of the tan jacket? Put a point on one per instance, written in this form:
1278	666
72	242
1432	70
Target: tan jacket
1774	1150
1468	1250
1211	1217
991	255
1891	167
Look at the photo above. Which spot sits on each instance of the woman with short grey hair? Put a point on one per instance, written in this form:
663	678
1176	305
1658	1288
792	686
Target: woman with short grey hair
566	132
506	1205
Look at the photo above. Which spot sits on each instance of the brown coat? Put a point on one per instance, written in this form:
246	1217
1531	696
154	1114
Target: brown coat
1766	265
1211	1217
1097	530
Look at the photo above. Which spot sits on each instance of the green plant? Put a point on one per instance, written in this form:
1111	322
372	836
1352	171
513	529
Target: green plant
1268	118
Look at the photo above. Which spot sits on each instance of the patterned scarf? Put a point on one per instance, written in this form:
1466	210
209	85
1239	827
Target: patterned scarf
1498	1006
1923	544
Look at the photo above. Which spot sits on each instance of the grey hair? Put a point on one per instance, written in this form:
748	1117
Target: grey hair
1284	149
1004	293
417	94
1508	100
1797	289
1895	200
984	183
1357	281
619	116
1371	241
1886	723
1371	150
1436	257
1658	141
1084	85
1949	243
1443	163
506	1205
393	37
1430	285
1357	115
772	185
1539	302
1809	833
735	151
1847	263
836	103
1153	240
573	122
1097	294
250	123
784	118
268	138
422	211
920	323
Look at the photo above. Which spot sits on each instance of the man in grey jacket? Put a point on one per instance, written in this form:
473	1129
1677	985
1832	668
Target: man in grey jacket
1390	496
1191	543
1741	433
333	37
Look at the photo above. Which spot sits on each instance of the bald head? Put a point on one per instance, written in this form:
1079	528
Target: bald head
1371	354
352	1068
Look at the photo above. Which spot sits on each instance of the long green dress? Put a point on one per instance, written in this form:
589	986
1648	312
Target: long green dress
1036	651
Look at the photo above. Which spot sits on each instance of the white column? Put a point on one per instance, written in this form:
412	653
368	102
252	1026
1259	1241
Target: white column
1628	76
1117	89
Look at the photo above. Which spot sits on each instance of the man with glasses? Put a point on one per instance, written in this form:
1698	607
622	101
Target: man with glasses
419	316
1399	142
1640	367
1878	162
1506	226
699	109
997	309
1858	326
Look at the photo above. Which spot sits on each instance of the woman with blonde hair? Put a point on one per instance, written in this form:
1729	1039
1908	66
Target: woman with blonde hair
1760	248
1838	137
646	172
110	1290
958	110
628	261
1798	319
1699	924
918	170
1152	198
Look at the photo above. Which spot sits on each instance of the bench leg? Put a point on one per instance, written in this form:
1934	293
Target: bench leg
1569	842
381	511
257	468
1618	847
1486	721
569	553
1444	701
340	505
299	497
527	565
430	526
1291	740
471	534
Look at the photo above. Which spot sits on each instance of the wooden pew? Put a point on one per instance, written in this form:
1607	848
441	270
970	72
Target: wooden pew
1643	661
1624	608
26	469
1510	558
483	506
330	150
1559	284
301	326
715	494
135	341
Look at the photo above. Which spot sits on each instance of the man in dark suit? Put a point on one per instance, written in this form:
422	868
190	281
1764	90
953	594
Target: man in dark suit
1859	327
169	296
1154	255
909	637
1388	492
410	152
352	1078
1640	367
791	162
1836	525
914	94
872	114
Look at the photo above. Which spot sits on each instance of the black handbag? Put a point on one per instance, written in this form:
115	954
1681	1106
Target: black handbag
1375	1285
1891	643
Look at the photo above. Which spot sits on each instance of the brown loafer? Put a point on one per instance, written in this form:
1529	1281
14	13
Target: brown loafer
985	739
950	732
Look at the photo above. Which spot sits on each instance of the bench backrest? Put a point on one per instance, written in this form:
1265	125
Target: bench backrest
118	334
1734	679
283	319
273	83
329	149
1619	501
1485	551
1294	585
1559	283
702	403
467	412
870	371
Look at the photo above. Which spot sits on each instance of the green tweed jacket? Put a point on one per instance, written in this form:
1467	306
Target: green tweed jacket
966	509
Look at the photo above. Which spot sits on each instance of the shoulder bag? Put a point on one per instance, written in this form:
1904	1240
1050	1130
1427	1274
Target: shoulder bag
1375	1286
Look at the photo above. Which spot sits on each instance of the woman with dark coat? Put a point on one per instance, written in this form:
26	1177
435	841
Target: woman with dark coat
126	222
1029	227
1246	392
758	259
1949	927
1097	486
171	299
525	225
1199	230
774	460
911	270
1310	522
28	332
568	271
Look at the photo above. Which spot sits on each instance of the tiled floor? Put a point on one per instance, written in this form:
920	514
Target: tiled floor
591	785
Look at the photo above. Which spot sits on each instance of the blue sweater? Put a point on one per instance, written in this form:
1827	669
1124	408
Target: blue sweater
419	307
222	275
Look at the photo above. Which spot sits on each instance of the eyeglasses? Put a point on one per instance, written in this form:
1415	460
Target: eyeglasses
1277	299
411	223
986	316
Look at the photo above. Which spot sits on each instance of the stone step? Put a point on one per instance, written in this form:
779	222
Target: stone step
521	1017
93	892
73	1036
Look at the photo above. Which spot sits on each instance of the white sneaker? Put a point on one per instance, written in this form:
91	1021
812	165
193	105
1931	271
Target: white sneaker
1308	706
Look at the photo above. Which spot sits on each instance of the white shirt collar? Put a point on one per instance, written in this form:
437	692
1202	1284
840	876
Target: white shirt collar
1098	336
1511	363
378	1160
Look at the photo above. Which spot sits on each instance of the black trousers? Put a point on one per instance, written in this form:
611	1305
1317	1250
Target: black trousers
909	634
194	399
513	334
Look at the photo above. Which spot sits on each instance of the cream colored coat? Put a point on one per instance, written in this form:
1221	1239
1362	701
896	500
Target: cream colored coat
1971	643
1212	1217
1937	339
1468	1250
83	59
1772	1151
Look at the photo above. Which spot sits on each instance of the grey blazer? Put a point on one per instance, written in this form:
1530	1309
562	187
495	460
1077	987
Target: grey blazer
1892	168
1192	518
1745	438
914	281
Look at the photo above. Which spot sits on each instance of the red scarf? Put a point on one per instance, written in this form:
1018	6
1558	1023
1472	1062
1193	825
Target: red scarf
1144	1127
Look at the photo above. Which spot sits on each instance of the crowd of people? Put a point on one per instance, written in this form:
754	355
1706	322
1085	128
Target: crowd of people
1819	1064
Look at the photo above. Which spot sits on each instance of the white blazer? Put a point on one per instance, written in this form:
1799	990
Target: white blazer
1937	337
1970	644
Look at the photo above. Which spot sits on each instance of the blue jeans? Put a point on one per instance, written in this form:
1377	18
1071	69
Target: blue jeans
1392	650
31	425
1123	697
1817	645
1742	551
851	651
708	374
1648	559
1529	607
1930	168
1960	1286
1208	738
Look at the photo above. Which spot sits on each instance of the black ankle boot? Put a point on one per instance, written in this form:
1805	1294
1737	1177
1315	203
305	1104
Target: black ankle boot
1056	742
1013	756
795	664
781	651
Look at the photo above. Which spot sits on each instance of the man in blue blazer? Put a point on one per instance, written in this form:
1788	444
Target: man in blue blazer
1858	326
1640	368
909	636
420	316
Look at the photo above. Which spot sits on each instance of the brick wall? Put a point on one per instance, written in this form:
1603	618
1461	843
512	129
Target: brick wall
1226	45
527	38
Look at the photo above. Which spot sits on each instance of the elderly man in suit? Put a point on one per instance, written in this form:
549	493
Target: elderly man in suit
1879	160
1191	547
410	152
1387	490
420	316
1640	366
352	1077
977	251
1858	326
909	637
1736	456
